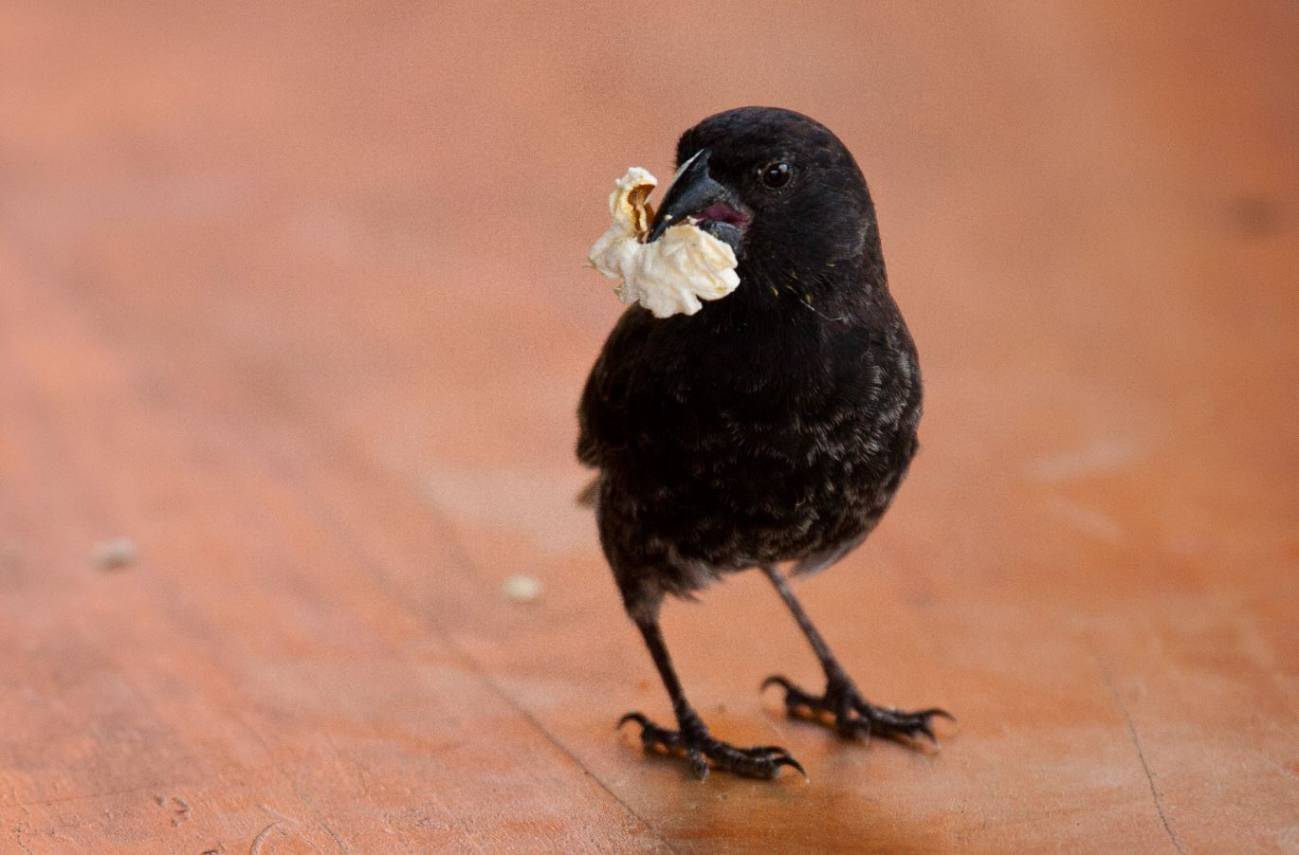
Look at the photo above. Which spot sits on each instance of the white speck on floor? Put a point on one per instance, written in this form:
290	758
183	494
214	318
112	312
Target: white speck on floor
114	554
521	589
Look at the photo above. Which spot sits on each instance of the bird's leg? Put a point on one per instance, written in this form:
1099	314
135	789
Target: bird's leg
853	715
692	739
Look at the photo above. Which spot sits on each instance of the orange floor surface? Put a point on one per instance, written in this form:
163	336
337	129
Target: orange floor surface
294	298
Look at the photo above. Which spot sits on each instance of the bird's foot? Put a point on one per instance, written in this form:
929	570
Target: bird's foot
853	716
694	743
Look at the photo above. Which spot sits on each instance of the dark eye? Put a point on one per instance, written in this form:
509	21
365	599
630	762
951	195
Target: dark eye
776	175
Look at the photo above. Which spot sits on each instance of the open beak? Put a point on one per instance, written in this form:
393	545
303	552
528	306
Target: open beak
695	194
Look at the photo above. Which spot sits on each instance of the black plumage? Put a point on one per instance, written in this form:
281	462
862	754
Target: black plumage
772	426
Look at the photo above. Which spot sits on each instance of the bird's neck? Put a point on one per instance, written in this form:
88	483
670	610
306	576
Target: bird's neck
783	293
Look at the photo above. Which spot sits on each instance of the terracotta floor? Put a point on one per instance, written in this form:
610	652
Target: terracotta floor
295	300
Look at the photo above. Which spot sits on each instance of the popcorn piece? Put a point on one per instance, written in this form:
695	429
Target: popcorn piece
671	275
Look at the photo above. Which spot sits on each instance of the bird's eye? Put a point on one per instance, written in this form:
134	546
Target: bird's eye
776	175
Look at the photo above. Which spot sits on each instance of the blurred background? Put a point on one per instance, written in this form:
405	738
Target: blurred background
294	316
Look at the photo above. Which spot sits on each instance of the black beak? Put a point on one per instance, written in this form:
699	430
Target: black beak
693	192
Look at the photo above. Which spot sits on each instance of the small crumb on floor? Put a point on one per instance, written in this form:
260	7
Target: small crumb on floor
114	554
521	589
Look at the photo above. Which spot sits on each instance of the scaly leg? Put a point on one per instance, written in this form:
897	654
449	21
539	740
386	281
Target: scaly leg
853	716
692	739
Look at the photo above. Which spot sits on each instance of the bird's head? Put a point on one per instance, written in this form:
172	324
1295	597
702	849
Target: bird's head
780	188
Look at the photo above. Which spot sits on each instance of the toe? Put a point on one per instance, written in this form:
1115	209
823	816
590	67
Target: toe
778	680
786	760
911	725
774	756
652	736
853	727
637	717
795	697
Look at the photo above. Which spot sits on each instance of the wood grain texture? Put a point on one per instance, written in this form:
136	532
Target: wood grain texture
294	299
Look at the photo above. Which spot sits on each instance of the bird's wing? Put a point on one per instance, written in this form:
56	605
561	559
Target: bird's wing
602	415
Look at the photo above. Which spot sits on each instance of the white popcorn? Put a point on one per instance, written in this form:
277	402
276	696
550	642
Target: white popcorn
671	275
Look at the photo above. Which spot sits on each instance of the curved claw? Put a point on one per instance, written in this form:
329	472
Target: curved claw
637	717
698	748
926	715
909	724
786	760
777	756
864	708
777	680
794	696
934	712
853	715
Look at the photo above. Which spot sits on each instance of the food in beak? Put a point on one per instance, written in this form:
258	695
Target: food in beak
670	275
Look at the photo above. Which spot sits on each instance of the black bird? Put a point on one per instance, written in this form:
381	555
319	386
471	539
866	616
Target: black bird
774	425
